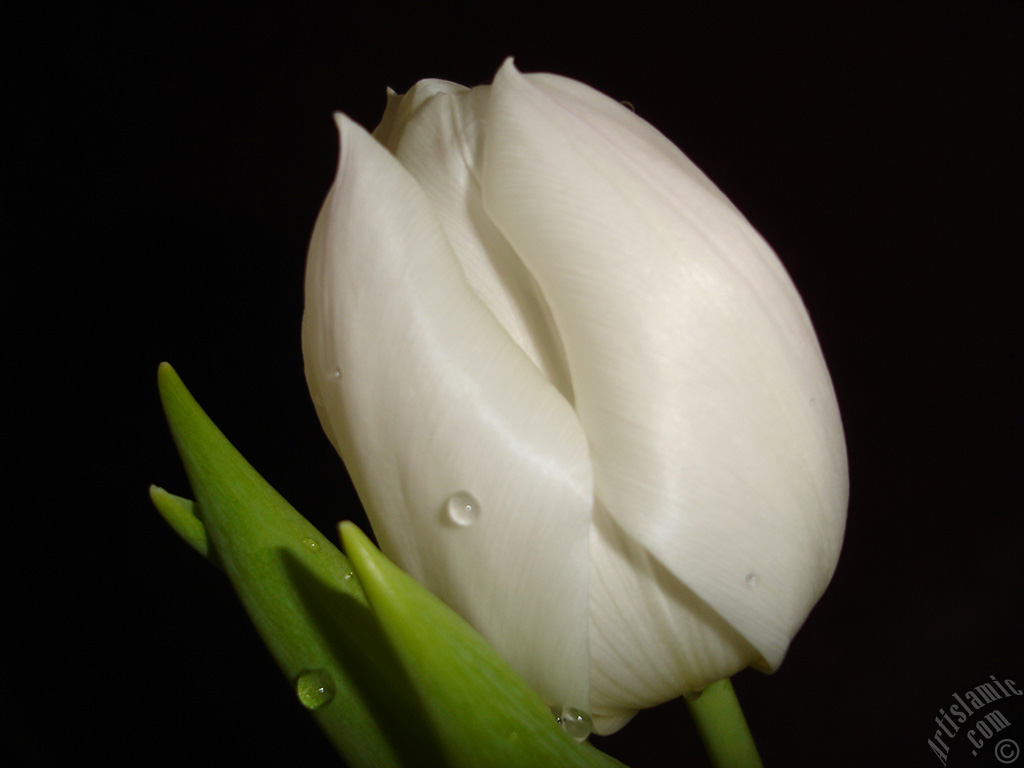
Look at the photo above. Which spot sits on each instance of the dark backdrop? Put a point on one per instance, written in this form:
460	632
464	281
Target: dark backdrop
171	162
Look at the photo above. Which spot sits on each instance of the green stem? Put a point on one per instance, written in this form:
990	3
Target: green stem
722	727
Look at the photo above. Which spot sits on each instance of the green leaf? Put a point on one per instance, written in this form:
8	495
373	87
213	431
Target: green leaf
299	591
180	513
483	712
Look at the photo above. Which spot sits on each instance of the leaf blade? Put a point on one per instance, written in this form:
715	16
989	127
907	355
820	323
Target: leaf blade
299	591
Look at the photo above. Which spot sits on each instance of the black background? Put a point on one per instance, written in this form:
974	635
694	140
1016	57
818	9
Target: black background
170	163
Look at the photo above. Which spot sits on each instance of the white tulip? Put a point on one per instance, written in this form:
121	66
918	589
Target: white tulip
576	391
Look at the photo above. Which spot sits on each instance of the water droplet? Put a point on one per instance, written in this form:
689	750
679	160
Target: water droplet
314	688
312	544
751	579
348	575
576	723
336	373
462	508
628	105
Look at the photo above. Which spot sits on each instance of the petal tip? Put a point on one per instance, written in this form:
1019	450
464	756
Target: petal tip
508	69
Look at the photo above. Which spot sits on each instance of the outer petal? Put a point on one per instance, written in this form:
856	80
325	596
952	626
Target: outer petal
424	395
712	423
651	637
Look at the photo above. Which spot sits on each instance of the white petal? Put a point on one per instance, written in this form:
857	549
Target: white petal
433	398
436	132
651	638
711	418
401	108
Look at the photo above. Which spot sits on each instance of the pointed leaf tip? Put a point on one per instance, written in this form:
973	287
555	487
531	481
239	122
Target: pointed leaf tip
368	561
179	513
166	375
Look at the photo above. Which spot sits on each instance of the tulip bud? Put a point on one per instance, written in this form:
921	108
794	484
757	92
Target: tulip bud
576	391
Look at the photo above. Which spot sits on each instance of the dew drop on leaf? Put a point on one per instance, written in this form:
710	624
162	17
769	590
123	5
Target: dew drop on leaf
576	723
314	688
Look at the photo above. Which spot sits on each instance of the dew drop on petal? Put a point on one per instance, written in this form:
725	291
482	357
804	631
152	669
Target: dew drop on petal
751	579
576	723
462	508
336	373
311	544
314	688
